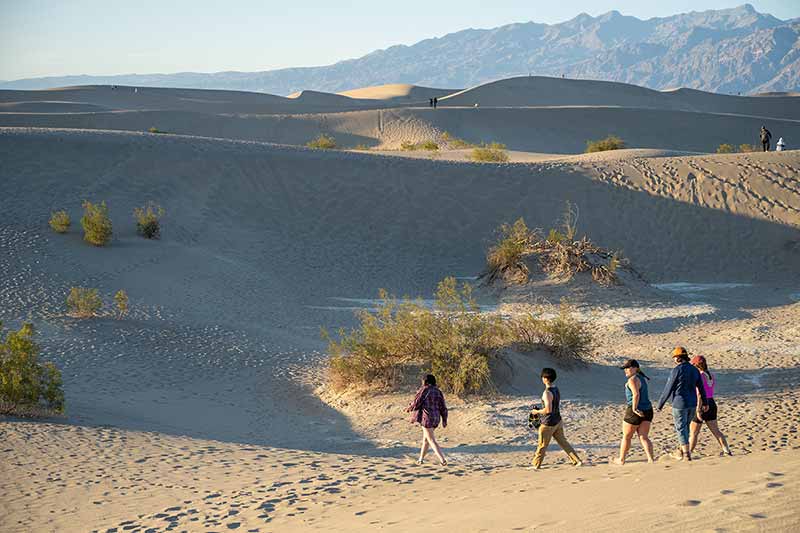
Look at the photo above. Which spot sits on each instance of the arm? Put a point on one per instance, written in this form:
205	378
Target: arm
443	410
668	388
633	384
546	402
417	402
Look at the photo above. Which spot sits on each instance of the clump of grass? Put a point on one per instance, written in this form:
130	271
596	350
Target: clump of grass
121	303
560	255
27	385
454	142
322	142
612	142
425	145
83	302
148	220
97	228
564	336
725	148
361	147
490	153
60	221
745	148
452	340
155	130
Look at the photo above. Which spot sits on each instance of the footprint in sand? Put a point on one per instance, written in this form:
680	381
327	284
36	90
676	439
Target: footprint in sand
691	503
774	485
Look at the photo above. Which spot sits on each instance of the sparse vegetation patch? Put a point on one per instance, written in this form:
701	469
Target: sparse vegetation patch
148	220
454	142
121	303
60	221
83	302
560	255
155	130
97	228
323	142
27	385
612	142
490	153
725	149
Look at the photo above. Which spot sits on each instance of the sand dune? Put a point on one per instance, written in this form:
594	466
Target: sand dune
206	408
399	93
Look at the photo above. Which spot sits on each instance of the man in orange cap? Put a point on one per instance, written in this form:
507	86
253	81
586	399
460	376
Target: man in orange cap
682	390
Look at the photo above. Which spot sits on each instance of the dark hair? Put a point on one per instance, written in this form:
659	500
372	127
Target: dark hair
549	374
640	373
430	380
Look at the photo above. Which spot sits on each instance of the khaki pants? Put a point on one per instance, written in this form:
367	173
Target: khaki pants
553	432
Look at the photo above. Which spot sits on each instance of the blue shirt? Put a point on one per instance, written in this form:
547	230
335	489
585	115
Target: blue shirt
644	396
681	388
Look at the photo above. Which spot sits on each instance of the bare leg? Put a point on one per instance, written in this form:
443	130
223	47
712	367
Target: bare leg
625	444
644	432
424	449
428	432
694	433
714	428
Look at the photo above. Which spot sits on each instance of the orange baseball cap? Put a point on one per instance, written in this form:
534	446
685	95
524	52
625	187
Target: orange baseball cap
680	351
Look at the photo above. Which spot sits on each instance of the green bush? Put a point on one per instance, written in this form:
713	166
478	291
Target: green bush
425	145
148	220
612	142
361	147
121	301
429	145
26	385
323	142
745	148
408	146
564	336
725	149
97	229
155	130
83	302
452	340
454	142
506	258
490	153
60	221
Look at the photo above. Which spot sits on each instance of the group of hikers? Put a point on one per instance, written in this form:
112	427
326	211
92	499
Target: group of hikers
690	389
766	141
433	102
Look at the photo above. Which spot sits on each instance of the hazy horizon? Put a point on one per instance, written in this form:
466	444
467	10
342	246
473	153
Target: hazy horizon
44	39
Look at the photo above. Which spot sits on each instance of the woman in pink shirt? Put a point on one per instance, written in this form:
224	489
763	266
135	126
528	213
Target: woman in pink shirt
709	416
428	409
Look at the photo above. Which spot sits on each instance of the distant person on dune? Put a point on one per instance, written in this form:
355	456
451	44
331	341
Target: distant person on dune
430	102
428	409
552	427
683	389
435	103
638	414
710	416
766	138
781	146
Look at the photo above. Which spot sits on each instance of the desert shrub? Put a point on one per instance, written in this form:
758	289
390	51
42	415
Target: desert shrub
745	148
429	145
560	254
155	130
408	146
323	142
121	302
361	147
490	153
83	302
26	384
454	142
97	229
725	148
506	258
452	340
564	336
148	220
60	221
612	142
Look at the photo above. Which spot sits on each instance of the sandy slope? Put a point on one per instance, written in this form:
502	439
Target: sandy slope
399	93
205	409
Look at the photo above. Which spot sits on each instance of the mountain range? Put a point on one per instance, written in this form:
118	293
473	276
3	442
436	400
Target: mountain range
737	50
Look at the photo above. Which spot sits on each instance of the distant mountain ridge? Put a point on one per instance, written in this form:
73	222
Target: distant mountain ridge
736	50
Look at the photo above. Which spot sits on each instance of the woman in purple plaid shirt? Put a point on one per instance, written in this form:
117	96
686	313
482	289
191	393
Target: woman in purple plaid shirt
428	408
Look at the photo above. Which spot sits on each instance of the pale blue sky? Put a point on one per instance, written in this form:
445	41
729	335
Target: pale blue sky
101	37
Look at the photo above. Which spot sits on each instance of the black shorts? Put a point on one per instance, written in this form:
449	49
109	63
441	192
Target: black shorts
708	416
634	419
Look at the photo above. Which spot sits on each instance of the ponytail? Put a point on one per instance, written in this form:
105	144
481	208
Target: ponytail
640	373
